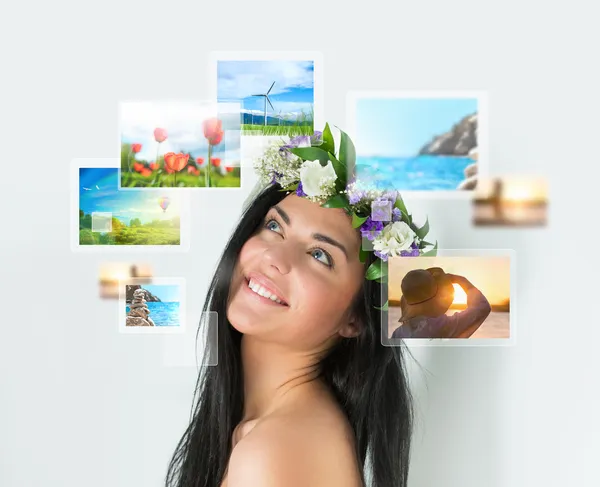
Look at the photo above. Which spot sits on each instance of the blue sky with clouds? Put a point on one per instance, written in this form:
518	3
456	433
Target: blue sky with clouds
165	292
292	92
399	127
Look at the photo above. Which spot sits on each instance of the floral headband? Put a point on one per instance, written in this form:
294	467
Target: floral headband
310	166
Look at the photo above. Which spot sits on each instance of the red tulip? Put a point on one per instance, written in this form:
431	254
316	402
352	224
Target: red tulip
160	135
154	166
229	169
216	140
199	160
138	166
135	148
193	170
215	161
212	127
146	172
169	171
176	162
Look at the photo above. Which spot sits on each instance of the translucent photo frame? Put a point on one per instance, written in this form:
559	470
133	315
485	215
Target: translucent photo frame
195	348
461	297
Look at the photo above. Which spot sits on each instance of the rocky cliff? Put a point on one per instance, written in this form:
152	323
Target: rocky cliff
458	141
131	288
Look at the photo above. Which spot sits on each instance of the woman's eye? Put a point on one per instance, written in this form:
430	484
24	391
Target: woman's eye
269	225
319	252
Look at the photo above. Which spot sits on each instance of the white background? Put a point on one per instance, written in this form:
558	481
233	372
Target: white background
81	404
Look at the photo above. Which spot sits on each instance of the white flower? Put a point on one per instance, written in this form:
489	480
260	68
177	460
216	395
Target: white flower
316	179
394	238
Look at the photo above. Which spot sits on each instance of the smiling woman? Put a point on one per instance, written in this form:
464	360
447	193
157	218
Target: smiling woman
304	393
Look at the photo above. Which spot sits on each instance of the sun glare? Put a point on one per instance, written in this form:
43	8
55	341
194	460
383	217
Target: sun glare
459	295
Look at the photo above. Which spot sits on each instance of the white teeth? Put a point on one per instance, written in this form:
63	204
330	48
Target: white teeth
258	289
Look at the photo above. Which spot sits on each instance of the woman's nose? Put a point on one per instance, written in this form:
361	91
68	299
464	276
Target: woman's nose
279	256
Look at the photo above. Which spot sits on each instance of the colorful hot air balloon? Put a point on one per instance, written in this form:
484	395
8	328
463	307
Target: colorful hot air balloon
164	203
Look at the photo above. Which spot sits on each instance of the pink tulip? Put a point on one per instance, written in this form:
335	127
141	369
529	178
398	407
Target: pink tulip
160	135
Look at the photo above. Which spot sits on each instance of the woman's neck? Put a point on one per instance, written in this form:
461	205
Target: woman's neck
270	371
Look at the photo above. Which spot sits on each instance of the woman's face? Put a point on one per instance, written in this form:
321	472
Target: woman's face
307	256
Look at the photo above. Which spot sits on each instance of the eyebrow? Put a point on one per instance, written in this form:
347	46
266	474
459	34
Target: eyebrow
317	236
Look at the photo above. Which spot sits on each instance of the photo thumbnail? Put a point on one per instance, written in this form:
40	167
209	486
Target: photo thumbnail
451	299
281	93
419	143
152	308
106	217
515	201
179	144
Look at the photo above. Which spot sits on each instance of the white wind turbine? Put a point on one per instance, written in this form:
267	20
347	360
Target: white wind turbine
267	99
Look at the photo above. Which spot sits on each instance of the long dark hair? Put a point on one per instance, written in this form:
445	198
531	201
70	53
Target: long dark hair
367	378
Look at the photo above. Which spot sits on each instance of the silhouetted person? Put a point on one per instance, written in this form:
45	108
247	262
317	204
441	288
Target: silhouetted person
426	297
496	199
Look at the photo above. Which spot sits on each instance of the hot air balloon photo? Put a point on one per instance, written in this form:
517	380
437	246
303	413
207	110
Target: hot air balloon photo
164	203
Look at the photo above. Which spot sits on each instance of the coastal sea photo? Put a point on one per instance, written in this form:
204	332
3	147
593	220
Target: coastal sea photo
104	217
281	93
490	271
419	143
179	144
152	308
511	201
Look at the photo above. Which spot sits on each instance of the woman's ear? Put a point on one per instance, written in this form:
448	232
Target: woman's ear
351	328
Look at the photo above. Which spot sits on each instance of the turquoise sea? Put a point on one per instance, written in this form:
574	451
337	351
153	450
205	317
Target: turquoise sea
163	314
420	173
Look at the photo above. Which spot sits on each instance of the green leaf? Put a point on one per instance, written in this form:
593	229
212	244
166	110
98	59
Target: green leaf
311	154
337	201
347	151
400	205
328	144
341	173
376	270
362	255
357	221
384	307
424	230
291	187
432	252
424	242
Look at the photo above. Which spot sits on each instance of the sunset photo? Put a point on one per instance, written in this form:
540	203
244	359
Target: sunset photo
449	297
515	201
111	273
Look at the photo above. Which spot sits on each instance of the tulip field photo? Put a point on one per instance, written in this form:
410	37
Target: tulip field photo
166	144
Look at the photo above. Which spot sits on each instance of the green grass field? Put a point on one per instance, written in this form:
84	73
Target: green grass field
159	232
291	130
161	179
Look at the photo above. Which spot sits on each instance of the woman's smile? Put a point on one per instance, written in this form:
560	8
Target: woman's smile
261	295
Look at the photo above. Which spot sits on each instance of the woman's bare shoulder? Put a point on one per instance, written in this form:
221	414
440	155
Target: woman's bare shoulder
296	448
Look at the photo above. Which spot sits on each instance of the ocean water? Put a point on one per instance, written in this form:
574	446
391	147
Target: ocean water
163	314
420	173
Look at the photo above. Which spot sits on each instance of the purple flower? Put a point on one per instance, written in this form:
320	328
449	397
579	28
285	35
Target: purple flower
316	138
383	257
381	210
274	177
355	196
299	191
371	228
396	215
414	252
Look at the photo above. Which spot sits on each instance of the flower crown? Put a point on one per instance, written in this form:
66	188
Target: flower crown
310	166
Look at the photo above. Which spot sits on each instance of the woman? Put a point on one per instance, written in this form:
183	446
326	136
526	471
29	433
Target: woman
426	297
304	394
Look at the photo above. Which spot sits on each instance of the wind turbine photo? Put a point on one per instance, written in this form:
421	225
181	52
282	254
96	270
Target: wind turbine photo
278	90
267	99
